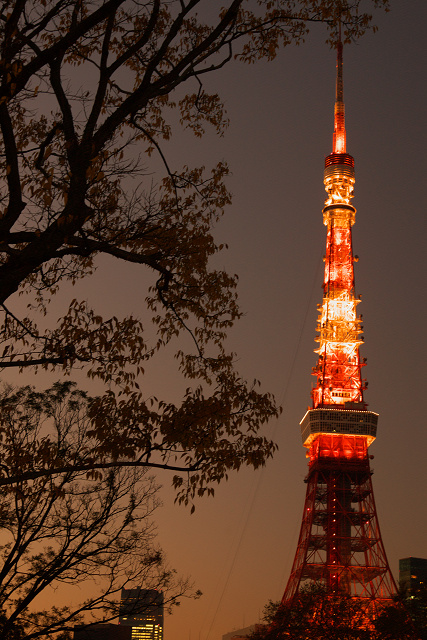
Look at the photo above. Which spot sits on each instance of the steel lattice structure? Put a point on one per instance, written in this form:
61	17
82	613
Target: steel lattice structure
340	545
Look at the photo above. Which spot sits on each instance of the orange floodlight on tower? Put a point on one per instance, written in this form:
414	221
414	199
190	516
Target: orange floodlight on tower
340	545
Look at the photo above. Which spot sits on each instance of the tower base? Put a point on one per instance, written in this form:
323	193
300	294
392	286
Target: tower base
340	546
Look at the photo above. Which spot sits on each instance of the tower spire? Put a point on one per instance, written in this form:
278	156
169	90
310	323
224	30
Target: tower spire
339	138
338	371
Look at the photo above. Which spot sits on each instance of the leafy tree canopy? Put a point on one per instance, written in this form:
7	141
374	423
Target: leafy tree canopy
89	92
316	615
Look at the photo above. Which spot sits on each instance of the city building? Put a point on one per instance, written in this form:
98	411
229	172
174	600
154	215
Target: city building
102	632
412	574
240	634
340	546
142	609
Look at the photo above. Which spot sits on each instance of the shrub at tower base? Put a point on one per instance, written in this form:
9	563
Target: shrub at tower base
314	615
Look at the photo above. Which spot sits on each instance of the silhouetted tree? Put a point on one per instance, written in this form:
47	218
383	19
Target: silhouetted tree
70	529
89	91
406	620
14	632
316	615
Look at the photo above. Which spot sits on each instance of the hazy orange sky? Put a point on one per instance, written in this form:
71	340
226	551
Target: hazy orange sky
239	546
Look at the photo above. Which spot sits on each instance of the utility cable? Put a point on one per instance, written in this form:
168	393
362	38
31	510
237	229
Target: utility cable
262	470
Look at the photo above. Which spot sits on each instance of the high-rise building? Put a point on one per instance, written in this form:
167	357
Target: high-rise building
142	609
340	545
412	574
102	631
240	634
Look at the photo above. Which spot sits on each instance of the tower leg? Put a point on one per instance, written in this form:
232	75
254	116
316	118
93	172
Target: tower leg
340	546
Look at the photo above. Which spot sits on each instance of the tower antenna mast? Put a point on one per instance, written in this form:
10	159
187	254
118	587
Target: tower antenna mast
339	140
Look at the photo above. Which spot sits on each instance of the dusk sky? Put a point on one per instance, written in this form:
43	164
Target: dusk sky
238	547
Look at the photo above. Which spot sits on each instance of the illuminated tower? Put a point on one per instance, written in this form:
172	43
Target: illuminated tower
340	544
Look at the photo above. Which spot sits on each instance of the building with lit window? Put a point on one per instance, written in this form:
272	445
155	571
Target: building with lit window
142	609
412	573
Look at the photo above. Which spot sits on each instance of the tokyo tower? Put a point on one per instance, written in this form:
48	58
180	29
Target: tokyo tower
340	545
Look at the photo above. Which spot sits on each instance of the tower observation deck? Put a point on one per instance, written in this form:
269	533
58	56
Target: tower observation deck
340	545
